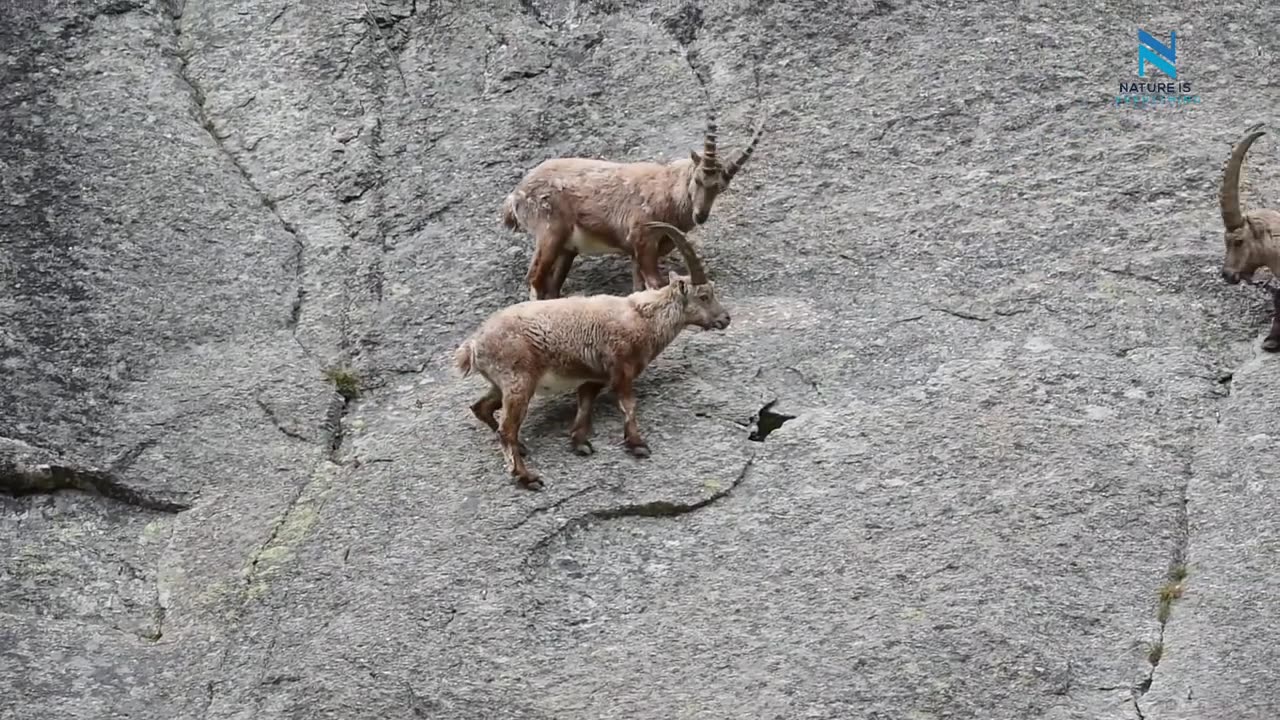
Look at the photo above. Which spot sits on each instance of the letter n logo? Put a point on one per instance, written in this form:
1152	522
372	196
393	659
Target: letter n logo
1152	51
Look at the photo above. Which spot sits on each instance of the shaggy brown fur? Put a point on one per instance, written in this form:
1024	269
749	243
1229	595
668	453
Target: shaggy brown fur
583	344
1252	238
577	206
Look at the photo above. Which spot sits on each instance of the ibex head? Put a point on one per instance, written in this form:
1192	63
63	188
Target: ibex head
1245	238
709	178
697	294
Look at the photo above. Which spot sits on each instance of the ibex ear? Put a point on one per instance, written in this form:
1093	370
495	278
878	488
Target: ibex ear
695	157
1256	229
682	287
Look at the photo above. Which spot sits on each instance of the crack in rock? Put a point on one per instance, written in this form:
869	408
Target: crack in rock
206	121
1134	275
1176	577
532	10
650	509
279	14
275	419
389	22
807	380
130	456
18	480
551	506
961	314
1173	587
685	24
120	7
157	619
766	421
339	408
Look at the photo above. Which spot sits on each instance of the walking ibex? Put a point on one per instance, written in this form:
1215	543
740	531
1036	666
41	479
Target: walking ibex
583	343
1253	238
598	207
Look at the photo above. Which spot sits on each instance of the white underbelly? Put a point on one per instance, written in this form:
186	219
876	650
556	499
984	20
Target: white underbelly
553	384
591	244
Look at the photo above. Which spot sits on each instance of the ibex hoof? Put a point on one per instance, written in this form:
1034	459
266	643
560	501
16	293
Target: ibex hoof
583	448
529	481
639	450
1271	344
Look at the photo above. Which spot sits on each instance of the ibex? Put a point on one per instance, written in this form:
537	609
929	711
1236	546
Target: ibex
1253	238
587	343
598	207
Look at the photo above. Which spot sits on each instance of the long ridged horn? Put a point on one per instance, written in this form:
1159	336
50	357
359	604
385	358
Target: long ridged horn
709	159
696	272
736	163
1229	196
710	162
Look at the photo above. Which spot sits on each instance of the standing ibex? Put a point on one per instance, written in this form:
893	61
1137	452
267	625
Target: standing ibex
583	343
1253	238
598	207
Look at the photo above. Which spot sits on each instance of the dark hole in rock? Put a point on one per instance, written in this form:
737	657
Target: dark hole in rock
768	421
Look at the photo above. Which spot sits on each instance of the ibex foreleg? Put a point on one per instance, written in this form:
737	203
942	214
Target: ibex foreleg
635	444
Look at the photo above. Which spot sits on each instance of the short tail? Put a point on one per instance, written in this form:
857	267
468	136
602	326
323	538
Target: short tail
464	357
509	219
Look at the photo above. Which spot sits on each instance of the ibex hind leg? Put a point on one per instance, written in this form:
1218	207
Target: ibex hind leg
487	405
644	258
515	402
485	408
1272	342
560	271
580	433
549	242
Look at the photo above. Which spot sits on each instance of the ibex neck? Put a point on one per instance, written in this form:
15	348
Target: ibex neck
663	314
681	203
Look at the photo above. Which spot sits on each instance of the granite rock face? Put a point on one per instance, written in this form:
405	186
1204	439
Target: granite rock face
988	437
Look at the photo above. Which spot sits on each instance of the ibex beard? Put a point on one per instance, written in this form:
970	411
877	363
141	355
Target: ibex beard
583	344
575	206
1252	238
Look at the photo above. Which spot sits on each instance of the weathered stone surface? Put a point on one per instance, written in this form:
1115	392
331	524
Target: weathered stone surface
238	477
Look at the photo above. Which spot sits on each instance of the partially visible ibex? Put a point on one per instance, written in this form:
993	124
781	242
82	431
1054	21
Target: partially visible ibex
598	207
1252	239
586	343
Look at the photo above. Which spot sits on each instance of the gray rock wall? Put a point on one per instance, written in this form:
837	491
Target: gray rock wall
1026	472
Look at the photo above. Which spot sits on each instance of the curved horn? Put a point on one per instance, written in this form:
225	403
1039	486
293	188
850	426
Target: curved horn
736	163
696	272
1229	196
